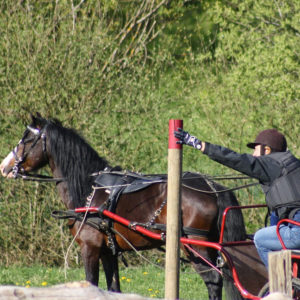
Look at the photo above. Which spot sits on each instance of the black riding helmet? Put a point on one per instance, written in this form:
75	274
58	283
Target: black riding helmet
272	138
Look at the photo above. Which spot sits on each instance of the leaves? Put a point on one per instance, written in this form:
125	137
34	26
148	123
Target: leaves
117	71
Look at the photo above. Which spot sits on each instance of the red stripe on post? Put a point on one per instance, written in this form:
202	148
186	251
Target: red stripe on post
174	125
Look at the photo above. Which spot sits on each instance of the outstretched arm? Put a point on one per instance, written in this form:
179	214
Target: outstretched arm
263	168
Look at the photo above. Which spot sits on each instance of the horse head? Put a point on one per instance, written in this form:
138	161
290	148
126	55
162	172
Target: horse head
30	154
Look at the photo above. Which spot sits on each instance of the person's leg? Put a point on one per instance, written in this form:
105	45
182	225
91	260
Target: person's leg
266	240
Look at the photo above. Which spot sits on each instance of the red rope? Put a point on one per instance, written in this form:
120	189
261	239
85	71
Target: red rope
203	258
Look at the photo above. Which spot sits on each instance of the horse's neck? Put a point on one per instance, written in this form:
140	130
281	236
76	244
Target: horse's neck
62	186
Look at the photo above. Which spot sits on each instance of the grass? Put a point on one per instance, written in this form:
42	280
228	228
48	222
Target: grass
38	276
144	280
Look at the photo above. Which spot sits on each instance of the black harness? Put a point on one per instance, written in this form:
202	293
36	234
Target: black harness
117	183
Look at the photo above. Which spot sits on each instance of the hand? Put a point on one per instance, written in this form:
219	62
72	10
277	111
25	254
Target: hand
185	138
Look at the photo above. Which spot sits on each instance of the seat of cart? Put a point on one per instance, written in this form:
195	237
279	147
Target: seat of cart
244	255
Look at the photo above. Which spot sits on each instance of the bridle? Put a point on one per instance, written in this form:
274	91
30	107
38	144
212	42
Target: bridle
38	134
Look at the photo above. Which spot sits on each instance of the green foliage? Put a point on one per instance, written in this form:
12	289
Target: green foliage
117	71
257	64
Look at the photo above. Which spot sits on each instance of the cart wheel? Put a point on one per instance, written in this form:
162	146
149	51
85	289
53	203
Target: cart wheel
295	286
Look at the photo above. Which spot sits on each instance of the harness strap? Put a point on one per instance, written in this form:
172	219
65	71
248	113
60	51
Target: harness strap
185	230
91	220
101	224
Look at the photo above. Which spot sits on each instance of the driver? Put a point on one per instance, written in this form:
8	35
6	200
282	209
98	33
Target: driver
278	172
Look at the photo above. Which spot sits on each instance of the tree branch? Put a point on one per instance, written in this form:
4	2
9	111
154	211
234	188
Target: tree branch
134	22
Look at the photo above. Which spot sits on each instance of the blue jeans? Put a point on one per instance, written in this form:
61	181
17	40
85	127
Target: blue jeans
266	240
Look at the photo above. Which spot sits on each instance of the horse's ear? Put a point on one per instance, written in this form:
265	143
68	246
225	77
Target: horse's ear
36	120
33	119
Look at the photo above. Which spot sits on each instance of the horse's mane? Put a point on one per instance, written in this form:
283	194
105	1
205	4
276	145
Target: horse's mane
76	159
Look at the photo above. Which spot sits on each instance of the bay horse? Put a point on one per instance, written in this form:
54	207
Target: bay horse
72	161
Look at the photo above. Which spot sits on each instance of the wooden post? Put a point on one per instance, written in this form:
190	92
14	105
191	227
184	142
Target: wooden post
173	213
280	272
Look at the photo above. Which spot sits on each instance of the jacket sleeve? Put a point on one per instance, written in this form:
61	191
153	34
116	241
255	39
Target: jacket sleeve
263	168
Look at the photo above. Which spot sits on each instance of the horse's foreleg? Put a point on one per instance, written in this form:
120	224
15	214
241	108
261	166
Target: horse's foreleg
111	269
91	256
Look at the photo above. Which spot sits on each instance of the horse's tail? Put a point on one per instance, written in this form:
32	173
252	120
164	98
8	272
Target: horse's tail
234	231
234	226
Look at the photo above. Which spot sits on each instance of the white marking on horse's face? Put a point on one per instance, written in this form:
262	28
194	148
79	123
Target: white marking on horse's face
7	164
35	131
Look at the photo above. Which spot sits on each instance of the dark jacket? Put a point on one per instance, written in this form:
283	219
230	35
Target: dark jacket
271	171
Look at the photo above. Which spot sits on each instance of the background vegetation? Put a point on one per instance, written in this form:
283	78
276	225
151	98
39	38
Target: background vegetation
117	71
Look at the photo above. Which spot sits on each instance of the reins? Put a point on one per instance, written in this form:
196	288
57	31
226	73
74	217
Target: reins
206	177
38	177
44	178
224	190
41	134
